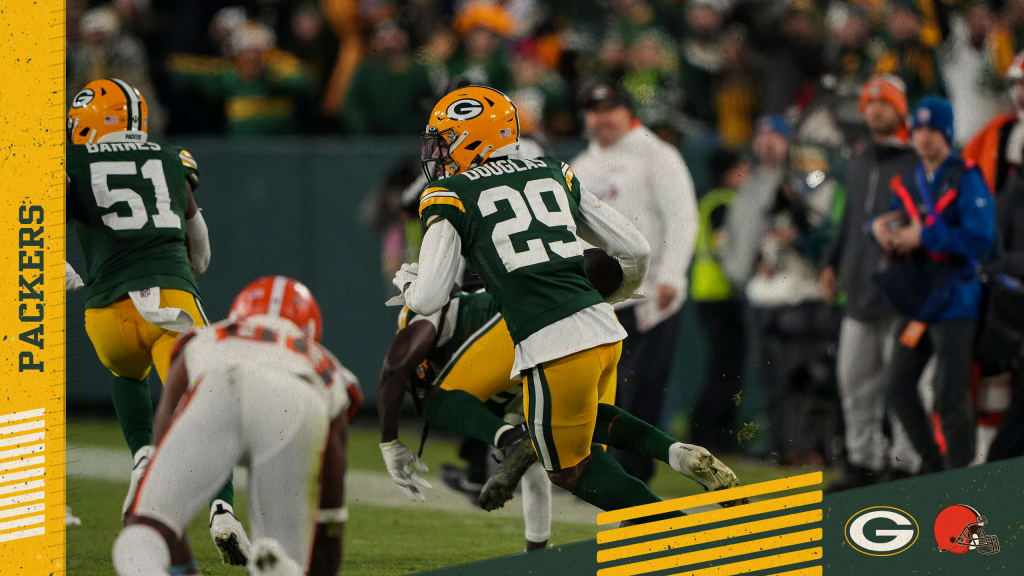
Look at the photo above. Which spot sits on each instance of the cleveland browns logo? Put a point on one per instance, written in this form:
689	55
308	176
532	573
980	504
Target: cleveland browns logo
960	529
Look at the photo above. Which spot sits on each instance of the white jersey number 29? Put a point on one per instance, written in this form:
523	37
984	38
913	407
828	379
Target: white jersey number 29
527	206
106	197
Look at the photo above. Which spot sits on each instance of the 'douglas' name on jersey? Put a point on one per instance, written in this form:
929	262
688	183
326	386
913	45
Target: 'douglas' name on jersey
516	220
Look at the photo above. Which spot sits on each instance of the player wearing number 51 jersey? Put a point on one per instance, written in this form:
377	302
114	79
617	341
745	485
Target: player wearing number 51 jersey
144	239
519	224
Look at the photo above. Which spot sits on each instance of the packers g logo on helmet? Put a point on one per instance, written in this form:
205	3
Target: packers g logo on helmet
466	127
108	110
83	98
464	109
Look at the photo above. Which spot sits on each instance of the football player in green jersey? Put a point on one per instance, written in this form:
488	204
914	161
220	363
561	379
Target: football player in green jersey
144	239
459	359
519	224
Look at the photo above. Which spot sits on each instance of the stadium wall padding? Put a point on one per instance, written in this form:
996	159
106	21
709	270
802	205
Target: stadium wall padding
294	206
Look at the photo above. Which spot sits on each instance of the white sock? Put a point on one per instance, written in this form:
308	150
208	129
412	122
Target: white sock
141	551
502	430
537	503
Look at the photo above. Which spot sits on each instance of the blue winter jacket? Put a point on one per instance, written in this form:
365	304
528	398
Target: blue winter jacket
968	228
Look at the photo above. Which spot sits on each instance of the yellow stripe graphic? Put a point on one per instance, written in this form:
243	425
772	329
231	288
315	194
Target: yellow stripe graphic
702	518
442	200
760	564
703	537
706	498
727	551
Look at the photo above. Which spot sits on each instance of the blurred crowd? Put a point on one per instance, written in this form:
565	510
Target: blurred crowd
694	68
840	241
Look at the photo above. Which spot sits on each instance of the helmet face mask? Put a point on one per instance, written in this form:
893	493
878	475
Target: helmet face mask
435	157
973	536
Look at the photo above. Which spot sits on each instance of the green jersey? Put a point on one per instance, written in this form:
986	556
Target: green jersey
462	320
517	223
127	203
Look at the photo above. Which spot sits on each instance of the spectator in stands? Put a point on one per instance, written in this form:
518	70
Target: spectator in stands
539	92
390	92
865	336
913	37
795	322
997	148
481	57
747	218
651	79
261	87
646	180
703	57
932	282
719	310
106	50
974	60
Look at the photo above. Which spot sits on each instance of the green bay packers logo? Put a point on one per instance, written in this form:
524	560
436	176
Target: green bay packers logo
464	109
881	531
83	98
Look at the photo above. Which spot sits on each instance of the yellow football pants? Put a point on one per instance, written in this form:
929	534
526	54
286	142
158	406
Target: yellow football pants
560	399
128	345
482	366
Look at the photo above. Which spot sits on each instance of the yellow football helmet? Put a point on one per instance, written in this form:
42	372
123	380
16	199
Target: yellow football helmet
468	126
108	110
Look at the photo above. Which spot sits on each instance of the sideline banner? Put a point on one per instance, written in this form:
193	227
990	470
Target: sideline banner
32	314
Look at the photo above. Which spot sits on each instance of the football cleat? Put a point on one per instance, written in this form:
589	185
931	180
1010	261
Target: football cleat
458	480
699	465
268	559
228	534
517	456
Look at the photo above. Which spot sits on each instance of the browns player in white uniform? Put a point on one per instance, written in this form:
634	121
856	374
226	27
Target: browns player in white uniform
258	390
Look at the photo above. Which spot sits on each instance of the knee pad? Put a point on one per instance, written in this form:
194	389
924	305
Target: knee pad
267	558
141	551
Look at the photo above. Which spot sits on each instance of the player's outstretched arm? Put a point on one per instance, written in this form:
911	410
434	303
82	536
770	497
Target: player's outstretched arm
409	348
197	236
602	226
331	518
428	289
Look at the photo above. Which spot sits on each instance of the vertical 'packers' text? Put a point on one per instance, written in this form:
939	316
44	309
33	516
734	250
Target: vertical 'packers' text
30	287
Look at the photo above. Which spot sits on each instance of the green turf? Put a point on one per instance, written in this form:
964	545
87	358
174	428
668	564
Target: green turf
415	540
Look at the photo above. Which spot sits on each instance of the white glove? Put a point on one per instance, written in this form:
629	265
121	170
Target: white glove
72	281
142	458
400	462
406	275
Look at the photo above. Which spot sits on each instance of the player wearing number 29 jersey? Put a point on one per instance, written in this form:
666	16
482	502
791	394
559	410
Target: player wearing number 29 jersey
519	224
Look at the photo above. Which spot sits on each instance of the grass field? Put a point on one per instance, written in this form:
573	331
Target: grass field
386	534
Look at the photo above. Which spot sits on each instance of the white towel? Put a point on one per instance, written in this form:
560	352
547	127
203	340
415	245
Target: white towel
147	302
